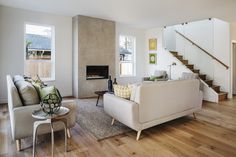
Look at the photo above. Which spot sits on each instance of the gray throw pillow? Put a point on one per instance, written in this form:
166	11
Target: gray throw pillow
17	78
27	92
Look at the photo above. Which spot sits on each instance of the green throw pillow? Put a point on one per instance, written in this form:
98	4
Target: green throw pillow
45	91
153	78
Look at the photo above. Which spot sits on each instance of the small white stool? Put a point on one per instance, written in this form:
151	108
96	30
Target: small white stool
44	118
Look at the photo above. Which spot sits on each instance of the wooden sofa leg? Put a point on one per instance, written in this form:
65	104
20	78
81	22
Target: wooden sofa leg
194	115
68	133
18	145
112	121
138	135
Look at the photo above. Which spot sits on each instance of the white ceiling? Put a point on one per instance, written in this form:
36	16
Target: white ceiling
138	13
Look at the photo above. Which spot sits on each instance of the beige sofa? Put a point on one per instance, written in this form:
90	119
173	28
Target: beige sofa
155	103
21	116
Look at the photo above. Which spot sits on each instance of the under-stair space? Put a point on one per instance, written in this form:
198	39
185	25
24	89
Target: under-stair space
221	94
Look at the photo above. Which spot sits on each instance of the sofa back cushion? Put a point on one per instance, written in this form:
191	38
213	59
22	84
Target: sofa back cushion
162	99
27	92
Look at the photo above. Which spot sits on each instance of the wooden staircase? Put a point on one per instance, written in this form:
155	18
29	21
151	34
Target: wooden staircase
221	95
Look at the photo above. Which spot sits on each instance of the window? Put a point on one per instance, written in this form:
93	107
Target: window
39	51
127	55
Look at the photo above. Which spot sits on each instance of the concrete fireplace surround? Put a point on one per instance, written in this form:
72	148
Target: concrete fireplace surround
93	44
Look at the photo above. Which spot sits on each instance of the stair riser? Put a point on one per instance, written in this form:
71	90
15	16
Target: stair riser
216	89
190	66
222	97
209	83
196	71
179	57
203	77
174	53
184	62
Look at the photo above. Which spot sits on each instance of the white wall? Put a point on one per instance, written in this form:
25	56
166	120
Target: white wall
164	58
122	29
169	40
222	52
12	46
233	55
201	32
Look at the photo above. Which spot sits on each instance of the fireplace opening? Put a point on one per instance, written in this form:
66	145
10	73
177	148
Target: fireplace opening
95	72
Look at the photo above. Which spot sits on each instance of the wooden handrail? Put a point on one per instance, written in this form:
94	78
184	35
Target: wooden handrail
227	67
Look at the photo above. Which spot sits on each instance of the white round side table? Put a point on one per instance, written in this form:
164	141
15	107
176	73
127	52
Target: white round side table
44	118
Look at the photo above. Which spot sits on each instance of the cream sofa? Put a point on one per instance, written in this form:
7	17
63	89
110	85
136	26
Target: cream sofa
21	119
155	103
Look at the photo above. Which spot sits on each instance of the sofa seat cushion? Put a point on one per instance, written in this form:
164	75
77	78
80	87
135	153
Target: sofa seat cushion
27	92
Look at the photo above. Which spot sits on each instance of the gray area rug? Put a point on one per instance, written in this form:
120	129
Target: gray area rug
93	118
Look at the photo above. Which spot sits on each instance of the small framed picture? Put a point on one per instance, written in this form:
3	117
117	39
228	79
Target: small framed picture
153	44
152	58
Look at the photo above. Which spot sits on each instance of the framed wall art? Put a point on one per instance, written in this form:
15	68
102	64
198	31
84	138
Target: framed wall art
152	58
153	44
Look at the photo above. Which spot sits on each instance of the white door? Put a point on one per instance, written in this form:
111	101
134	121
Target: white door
234	68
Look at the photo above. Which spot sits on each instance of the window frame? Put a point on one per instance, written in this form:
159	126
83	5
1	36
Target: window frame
133	58
53	50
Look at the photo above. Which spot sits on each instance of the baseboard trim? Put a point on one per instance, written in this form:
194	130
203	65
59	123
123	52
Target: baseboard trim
3	101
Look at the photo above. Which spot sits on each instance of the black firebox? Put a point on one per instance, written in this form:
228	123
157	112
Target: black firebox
94	72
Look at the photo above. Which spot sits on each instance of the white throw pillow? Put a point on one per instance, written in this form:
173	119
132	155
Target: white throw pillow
133	88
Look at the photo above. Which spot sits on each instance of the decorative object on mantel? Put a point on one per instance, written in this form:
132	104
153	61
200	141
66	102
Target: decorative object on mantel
153	44
114	82
109	82
173	64
152	58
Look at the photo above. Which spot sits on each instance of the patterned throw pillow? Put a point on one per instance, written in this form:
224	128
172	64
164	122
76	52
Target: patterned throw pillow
122	91
46	91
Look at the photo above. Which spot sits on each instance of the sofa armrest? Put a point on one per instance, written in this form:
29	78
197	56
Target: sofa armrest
22	120
123	110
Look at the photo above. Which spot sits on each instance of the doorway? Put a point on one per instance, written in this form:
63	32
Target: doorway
234	67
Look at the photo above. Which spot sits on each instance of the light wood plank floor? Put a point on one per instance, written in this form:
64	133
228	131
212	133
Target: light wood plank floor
212	134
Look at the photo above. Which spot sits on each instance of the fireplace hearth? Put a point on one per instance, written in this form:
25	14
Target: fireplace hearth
94	72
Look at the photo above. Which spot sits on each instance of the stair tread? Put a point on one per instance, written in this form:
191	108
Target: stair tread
196	71
222	93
